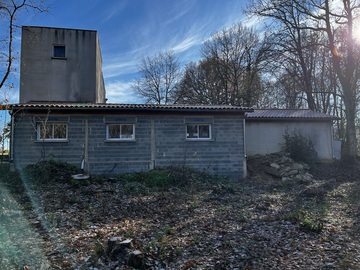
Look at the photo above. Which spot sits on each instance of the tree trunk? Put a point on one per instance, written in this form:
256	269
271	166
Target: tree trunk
350	152
347	77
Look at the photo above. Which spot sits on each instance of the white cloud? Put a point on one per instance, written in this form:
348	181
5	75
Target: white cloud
186	44
113	10
121	92
119	67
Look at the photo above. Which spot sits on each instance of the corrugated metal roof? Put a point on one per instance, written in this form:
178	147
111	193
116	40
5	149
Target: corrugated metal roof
138	107
288	114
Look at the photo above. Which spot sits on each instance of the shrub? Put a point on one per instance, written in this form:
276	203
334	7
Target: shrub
169	177
11	178
48	171
154	178
299	147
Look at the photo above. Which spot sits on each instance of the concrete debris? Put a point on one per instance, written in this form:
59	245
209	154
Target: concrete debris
281	166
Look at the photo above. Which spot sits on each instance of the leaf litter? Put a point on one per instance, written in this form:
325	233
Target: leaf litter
261	222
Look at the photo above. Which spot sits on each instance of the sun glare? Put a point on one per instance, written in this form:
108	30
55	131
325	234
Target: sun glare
356	32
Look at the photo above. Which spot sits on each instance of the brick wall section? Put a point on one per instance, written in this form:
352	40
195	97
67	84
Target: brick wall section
223	155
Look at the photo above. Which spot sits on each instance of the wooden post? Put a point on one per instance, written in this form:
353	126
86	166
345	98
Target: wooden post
86	147
153	146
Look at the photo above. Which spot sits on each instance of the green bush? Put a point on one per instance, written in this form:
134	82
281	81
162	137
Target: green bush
300	148
8	176
48	172
154	178
169	176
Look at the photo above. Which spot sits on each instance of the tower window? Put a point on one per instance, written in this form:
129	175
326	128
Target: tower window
59	51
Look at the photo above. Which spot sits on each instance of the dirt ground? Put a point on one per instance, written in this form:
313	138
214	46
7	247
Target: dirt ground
262	222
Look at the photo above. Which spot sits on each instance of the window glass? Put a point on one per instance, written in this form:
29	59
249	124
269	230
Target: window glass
59	51
59	131
204	131
46	131
120	132
127	131
194	131
52	131
113	131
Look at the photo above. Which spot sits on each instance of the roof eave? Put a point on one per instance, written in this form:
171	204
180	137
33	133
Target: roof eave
291	119
17	107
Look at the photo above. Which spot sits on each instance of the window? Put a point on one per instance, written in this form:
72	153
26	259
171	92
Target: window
198	132
120	132
51	132
59	51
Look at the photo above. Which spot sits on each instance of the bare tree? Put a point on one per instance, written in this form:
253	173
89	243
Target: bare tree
9	12
236	54
335	20
159	77
304	73
198	85
230	70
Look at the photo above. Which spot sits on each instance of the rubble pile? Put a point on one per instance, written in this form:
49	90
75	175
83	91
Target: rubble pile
279	166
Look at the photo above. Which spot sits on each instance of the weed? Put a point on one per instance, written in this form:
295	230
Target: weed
242	217
347	261
353	194
193	205
73	199
98	249
306	219
84	224
154	178
168	230
157	178
178	251
135	188
78	182
129	234
51	219
228	244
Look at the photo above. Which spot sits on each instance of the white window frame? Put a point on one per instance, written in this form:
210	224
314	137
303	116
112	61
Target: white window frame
120	138
198	138
51	139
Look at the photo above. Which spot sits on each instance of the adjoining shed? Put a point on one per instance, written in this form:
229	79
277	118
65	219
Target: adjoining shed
265	129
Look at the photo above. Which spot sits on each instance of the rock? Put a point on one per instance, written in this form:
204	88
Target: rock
275	166
285	159
80	176
297	166
292	172
271	171
308	176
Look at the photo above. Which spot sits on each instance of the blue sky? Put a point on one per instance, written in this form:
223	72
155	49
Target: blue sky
132	29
